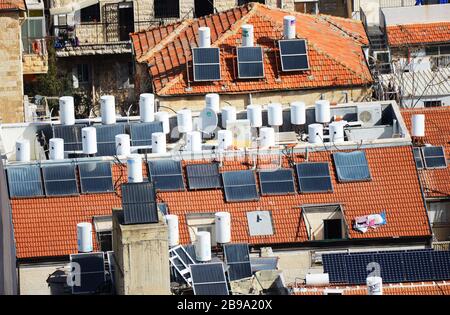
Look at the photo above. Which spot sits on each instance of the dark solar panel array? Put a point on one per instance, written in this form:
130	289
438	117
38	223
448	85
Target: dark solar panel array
394	266
434	157
71	136
106	138
206	63
25	181
276	182
203	176
351	166
141	133
314	177
139	203
293	54
209	279
237	257
60	180
96	177
250	62
91	272
240	186
167	175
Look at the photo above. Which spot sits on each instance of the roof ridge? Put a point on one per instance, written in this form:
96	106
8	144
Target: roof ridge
349	33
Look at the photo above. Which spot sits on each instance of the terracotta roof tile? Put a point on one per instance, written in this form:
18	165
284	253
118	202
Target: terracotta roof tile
435	182
423	33
334	49
12	5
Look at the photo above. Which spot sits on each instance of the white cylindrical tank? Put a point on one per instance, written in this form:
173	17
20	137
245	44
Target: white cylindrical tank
184	120
66	110
317	279
205	37
23	153
172	225
254	114
164	118
212	100
84	237
228	114
322	111
267	136
374	285
223	227
224	139
108	109
89	140
123	146
194	141
203	246
315	133
298	113
147	107
134	168
247	35
158	142
418	125
289	27
56	148
275	114
337	131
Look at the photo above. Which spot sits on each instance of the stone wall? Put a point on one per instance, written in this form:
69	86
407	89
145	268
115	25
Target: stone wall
34	64
11	86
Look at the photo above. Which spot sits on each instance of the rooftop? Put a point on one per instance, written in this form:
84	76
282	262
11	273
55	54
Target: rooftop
12	5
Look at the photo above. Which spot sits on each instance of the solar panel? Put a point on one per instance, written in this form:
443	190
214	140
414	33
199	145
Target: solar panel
314	177
260	223
418	158
139	203
71	135
276	182
60	180
25	181
250	62
441	264
391	266
181	260
141	133
357	267
106	138
167	175
91	272
336	267
96	177
294	54
112	267
206	62
418	266
203	176
240	186
237	257
351	166
209	279
434	157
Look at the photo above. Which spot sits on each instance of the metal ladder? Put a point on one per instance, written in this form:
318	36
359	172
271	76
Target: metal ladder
180	260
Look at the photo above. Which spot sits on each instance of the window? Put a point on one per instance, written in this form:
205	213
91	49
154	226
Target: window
167	9
332	229
198	222
203	7
432	103
324	222
308	7
103	229
90	14
242	2
83	73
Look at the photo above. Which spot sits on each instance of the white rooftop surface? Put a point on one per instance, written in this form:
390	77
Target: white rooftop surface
417	14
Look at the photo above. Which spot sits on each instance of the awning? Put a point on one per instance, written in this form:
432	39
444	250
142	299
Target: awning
72	7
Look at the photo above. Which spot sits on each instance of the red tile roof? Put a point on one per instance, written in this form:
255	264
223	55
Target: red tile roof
435	182
413	34
334	48
47	226
12	5
426	288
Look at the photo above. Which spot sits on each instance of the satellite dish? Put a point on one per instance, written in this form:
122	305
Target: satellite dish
208	121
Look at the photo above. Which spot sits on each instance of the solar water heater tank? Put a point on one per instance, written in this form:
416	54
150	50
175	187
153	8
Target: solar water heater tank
223	227
56	148
315	133
418	125
267	137
194	141
23	150
84	237
108	109
247	35
123	144
322	111
164	118
228	114
289	27
205	37
224	139
184	120
158	142
298	113
134	168
89	140
337	131
172	224
254	115
212	100
147	107
275	114
203	246
374	285
66	110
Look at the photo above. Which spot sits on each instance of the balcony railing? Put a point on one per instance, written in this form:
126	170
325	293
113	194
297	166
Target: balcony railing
36	46
445	245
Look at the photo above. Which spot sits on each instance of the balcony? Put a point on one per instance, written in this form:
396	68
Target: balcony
34	56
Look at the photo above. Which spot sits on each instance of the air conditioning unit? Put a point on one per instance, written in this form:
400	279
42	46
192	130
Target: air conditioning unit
369	114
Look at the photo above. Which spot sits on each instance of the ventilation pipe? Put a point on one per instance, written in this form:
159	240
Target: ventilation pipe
289	27
123	144
322	111
205	37
315	133
184	120
56	148
212	100
84	237
223	227
247	35
254	114
89	140
267	136
418	125
134	168
317	279
158	142
66	110
174	234
164	118
298	113
228	114
374	285
23	150
147	107
275	114
224	139
203	246
108	109
194	141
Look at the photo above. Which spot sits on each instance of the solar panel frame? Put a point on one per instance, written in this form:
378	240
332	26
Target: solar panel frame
21	185
259	61
209	279
71	136
106	138
237	257
91	184
139	203
292	55
269	185
240	186
348	169
60	174
196	63
320	174
203	176
434	157
418	158
167	175
141	133
93	269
